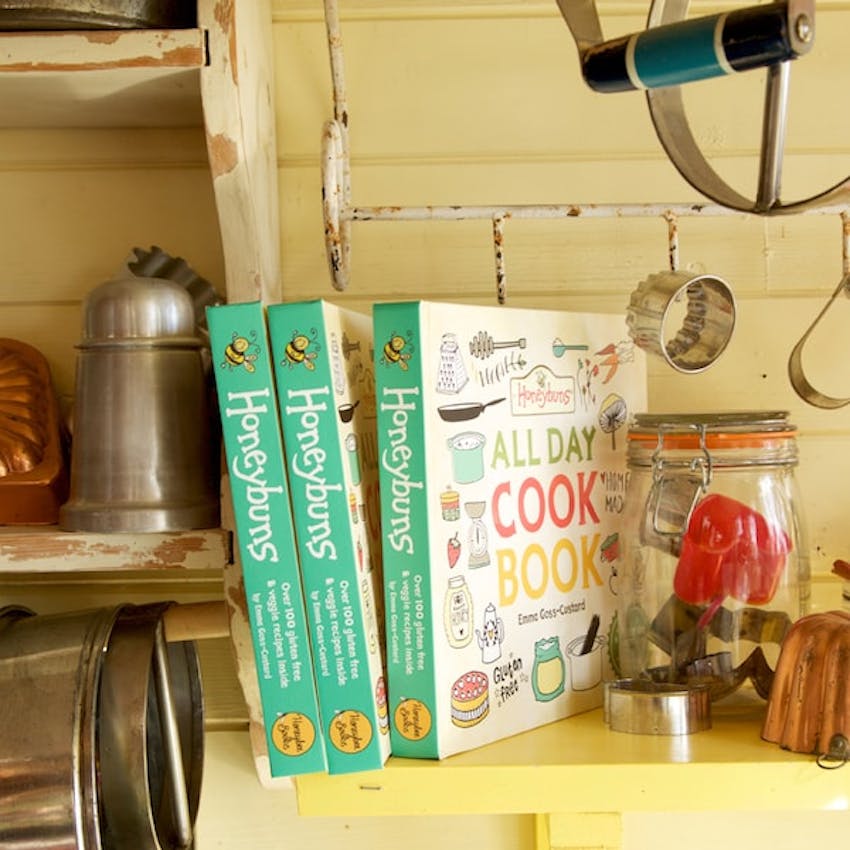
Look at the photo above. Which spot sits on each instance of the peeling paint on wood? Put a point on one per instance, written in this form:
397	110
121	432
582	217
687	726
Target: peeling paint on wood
236	601
177	550
223	14
39	551
91	51
101	36
179	57
223	154
225	17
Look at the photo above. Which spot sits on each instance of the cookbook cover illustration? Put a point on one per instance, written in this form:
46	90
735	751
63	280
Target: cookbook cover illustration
326	395
265	537
502	477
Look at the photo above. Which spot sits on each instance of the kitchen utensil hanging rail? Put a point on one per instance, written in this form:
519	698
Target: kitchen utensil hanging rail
339	212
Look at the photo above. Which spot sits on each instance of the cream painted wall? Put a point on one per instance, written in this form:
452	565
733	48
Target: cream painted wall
472	103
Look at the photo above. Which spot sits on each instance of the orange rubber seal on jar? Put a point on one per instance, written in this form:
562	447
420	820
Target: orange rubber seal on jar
674	441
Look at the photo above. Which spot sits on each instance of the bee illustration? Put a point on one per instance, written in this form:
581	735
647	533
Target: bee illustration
241	353
393	352
297	351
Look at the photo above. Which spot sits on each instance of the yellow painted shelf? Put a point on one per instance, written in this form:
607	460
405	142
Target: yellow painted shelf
579	765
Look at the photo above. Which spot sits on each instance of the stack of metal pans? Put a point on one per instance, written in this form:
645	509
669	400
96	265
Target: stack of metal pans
101	731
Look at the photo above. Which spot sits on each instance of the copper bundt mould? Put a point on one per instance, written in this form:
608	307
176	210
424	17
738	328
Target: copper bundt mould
33	469
808	710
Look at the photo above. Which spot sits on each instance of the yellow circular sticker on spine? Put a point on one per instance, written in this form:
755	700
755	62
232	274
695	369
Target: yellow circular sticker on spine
412	719
293	733
350	731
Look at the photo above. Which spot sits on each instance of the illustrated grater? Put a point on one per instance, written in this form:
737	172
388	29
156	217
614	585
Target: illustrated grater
451	375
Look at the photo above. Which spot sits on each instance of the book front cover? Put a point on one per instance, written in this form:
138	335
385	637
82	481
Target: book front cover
501	435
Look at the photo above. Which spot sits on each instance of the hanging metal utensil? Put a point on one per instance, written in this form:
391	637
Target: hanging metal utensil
673	51
796	373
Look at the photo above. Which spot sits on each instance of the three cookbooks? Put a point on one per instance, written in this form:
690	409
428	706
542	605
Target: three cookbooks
427	504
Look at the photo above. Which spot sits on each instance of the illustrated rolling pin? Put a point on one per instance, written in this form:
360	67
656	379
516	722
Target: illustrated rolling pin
689	50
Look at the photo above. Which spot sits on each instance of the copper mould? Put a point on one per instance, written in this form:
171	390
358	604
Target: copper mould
808	710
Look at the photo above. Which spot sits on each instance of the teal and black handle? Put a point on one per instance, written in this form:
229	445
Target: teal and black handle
700	48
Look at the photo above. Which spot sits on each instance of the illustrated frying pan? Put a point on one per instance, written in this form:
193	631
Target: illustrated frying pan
674	50
463	411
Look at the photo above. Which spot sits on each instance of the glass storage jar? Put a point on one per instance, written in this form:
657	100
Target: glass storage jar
715	565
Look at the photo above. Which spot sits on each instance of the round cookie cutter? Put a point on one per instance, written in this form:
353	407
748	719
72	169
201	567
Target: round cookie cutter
706	307
656	708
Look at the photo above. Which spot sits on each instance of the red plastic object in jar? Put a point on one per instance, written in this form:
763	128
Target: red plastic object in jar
729	549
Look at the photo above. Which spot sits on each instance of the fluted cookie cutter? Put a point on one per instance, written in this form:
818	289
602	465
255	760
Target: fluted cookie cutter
706	308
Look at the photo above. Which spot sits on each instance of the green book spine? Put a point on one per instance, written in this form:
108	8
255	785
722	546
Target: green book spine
265	537
405	544
320	354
